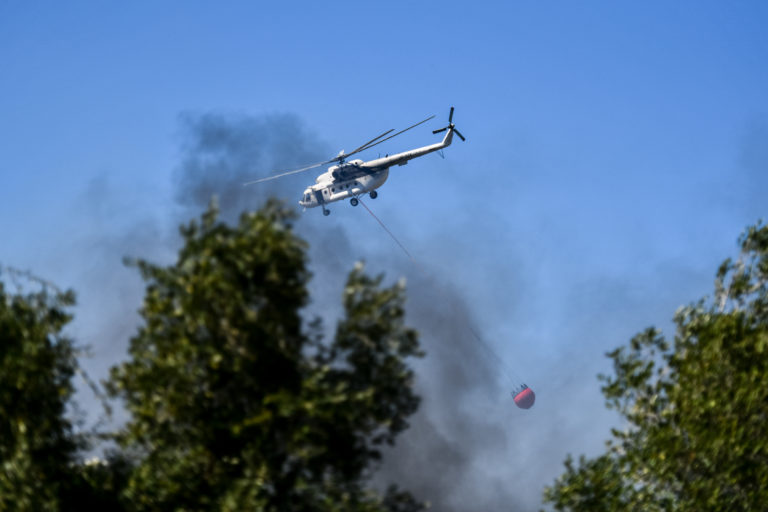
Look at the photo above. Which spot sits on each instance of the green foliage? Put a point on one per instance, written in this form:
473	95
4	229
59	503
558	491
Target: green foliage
96	484
696	412
36	367
235	405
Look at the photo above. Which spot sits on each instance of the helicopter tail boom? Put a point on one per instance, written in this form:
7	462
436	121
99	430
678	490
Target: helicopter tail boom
402	158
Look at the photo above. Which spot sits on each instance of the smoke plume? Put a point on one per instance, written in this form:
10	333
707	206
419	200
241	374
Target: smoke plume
441	457
468	447
222	152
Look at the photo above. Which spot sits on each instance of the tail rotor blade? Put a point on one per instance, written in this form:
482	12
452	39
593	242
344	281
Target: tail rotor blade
440	130
459	134
450	116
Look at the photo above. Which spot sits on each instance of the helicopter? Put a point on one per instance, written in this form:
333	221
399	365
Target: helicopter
353	178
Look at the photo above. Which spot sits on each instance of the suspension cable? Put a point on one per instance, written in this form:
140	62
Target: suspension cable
514	379
388	231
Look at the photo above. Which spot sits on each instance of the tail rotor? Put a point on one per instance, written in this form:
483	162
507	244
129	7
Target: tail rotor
450	126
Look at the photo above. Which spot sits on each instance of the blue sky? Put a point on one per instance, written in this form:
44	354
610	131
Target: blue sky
615	151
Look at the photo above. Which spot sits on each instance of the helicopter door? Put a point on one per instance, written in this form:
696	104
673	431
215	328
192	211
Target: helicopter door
319	197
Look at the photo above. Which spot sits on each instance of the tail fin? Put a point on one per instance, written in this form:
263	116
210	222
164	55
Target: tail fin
448	137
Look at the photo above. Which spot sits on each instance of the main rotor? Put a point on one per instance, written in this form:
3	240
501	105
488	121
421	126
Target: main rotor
342	156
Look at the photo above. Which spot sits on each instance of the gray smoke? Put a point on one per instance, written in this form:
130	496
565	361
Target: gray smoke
440	458
222	152
468	447
109	294
461	427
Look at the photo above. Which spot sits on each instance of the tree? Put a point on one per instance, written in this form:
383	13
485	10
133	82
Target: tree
236	403
37	362
696	410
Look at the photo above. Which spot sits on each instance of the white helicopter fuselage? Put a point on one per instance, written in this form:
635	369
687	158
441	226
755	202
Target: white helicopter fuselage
356	177
328	189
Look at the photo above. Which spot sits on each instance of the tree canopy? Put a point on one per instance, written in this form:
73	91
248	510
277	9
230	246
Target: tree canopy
236	402
235	399
695	408
37	363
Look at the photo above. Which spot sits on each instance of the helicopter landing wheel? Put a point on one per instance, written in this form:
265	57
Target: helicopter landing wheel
353	201
374	194
326	212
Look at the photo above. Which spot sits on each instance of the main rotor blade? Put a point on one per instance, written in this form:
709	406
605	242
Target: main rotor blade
369	144
450	116
459	134
395	135
288	173
370	141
